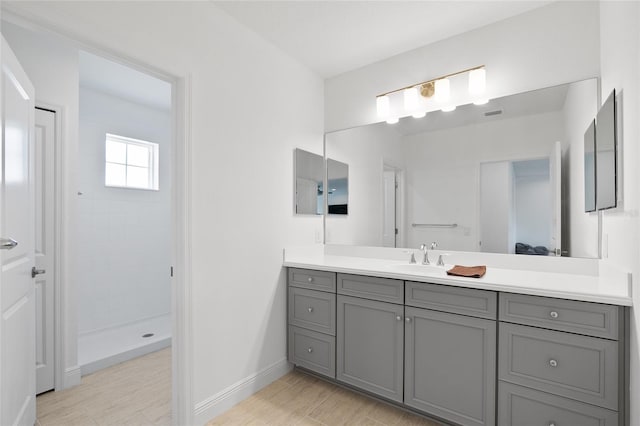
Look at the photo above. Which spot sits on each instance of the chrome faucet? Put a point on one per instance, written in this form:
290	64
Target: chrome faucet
425	250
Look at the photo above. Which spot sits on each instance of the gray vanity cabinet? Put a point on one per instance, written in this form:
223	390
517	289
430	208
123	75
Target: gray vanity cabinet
561	362
450	365
450	352
370	339
311	320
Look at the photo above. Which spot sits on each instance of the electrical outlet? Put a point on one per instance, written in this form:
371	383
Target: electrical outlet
318	237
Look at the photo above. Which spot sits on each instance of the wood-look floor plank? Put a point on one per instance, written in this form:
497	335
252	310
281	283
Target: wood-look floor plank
299	399
133	393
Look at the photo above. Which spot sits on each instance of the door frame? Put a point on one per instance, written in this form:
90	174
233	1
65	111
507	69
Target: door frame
181	281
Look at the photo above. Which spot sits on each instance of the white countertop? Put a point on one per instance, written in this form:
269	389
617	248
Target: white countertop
600	283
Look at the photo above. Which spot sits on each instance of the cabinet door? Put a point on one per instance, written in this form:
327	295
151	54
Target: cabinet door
450	366
370	345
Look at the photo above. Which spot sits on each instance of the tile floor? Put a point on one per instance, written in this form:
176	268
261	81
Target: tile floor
301	399
138	393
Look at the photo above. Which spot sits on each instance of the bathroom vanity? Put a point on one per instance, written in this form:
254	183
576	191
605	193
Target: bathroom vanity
539	346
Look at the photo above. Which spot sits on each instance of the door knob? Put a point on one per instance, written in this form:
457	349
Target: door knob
35	272
7	243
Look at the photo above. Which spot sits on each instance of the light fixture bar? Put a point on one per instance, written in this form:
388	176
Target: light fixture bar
432	80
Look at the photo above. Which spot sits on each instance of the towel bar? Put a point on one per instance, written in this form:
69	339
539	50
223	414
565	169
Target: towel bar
434	225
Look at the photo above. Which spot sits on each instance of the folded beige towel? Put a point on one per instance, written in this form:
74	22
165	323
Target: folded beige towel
468	271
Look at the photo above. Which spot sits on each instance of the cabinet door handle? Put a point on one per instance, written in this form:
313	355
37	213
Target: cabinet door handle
552	423
310	309
310	279
398	318
408	320
310	350
553	314
553	363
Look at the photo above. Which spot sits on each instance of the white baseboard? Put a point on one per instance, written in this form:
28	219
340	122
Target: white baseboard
109	360
227	398
72	377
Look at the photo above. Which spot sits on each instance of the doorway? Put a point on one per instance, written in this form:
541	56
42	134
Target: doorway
124	213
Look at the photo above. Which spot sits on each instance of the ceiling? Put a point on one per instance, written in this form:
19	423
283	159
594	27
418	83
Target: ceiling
332	37
124	82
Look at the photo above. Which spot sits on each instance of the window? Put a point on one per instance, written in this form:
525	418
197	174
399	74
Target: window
130	163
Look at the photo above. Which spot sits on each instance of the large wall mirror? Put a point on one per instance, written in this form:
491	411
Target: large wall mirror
504	177
309	177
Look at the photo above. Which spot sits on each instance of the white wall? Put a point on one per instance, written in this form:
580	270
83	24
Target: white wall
620	65
124	235
580	109
548	46
251	106
366	150
52	67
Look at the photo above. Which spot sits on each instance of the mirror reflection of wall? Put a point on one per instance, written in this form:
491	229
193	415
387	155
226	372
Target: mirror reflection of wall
309	175
606	154
440	156
337	187
590	168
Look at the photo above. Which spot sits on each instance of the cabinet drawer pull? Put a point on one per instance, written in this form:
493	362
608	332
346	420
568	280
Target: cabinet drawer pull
553	363
310	309
552	423
398	318
310	350
310	279
407	319
553	314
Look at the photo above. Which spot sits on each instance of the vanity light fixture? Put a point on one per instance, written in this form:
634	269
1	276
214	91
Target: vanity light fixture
382	106
443	90
438	88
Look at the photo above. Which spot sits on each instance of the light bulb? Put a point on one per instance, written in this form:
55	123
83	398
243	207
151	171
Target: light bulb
392	120
382	106
449	108
477	81
410	99
443	90
419	114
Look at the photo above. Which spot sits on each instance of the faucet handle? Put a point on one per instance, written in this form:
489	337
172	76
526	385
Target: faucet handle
434	245
441	259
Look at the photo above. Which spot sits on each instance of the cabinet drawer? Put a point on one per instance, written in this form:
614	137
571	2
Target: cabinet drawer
312	309
457	300
578	367
519	406
382	289
316	280
592	319
312	350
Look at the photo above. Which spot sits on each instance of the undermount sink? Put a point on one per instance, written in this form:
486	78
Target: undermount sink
418	268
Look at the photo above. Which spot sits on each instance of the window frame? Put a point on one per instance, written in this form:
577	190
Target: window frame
152	169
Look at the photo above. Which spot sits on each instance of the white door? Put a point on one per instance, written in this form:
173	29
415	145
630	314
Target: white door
555	177
389	209
44	247
17	301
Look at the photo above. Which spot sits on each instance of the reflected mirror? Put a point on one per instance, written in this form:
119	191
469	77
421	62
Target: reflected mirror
503	177
606	154
590	168
309	175
337	187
